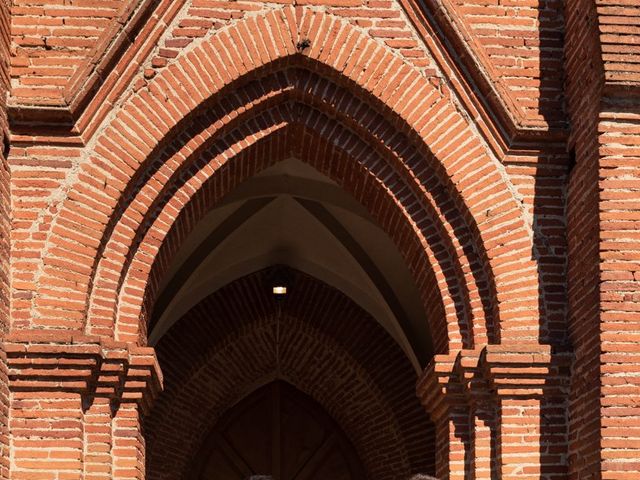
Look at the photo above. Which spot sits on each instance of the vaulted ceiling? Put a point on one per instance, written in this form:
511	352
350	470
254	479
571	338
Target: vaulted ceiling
292	215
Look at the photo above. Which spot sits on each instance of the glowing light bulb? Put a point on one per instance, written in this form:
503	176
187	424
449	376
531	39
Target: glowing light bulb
279	290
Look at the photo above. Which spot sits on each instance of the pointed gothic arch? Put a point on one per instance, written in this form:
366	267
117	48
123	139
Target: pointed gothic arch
447	161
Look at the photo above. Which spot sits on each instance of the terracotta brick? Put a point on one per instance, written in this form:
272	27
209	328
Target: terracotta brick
496	143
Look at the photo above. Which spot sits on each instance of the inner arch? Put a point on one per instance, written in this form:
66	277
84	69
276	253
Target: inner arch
294	92
305	221
277	431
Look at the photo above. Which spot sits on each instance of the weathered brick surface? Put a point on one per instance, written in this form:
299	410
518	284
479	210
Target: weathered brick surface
520	42
619	27
495	142
602	232
52	40
75	405
5	228
619	178
499	412
584	73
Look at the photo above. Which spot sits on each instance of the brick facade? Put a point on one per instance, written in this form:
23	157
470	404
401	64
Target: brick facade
495	142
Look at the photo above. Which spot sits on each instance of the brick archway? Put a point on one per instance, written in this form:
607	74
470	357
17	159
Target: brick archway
103	207
319	341
460	175
298	138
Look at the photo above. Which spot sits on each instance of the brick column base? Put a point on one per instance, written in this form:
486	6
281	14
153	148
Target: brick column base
444	399
510	401
75	406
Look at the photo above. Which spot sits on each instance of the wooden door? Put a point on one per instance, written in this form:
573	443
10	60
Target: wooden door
280	433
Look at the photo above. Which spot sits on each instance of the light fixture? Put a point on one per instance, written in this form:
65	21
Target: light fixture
279	290
279	279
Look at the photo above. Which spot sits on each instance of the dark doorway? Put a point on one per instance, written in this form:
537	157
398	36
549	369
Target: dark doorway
281	433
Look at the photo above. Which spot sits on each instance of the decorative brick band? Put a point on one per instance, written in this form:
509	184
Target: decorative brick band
494	407
122	372
493	372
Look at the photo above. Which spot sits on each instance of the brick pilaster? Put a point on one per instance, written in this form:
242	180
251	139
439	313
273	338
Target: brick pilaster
531	387
483	410
500	412
76	405
442	395
483	416
98	441
128	443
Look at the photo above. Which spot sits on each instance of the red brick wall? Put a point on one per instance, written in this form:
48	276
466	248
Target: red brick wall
114	159
99	212
619	183
52	40
5	227
5	200
521	45
619	38
602	231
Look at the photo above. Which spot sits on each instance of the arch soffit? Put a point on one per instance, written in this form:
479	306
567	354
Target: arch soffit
287	26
